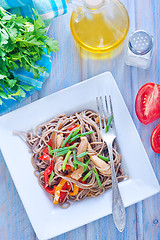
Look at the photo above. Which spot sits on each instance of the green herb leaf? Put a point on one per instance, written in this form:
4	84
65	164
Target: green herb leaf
22	44
3	95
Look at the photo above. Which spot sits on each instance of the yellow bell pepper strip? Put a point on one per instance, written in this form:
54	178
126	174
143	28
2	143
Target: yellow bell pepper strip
58	190
75	191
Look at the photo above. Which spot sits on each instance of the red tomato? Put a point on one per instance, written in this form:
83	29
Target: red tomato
147	104
155	139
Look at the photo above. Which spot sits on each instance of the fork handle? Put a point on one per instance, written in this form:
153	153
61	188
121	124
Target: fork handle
118	209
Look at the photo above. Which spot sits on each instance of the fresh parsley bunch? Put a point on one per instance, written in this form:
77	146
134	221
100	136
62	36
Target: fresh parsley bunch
22	44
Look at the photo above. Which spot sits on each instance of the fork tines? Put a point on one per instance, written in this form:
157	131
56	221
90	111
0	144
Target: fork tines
106	111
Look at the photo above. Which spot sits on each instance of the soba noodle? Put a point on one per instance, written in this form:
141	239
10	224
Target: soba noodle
87	121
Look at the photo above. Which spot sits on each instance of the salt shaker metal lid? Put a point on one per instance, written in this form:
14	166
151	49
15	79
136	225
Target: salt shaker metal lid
140	42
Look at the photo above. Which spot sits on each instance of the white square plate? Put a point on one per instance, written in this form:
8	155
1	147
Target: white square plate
54	220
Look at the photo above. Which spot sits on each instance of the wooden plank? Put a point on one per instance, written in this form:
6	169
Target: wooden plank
69	68
148	19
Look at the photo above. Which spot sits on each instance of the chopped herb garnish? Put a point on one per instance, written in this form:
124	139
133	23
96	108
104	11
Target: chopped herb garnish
80	135
65	160
80	163
87	175
103	158
64	148
87	162
97	177
74	138
86	133
67	139
62	153
74	160
82	155
51	177
75	132
108	123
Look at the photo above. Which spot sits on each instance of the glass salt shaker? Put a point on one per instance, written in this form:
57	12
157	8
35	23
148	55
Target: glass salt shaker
139	51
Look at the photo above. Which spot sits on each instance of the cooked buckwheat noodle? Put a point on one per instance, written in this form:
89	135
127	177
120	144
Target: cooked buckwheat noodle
87	120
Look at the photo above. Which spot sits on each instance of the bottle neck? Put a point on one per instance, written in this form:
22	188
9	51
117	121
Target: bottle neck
93	4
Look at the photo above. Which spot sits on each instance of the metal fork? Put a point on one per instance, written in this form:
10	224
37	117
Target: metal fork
118	209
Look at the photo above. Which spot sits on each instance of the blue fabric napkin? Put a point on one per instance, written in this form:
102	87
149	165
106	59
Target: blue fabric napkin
47	9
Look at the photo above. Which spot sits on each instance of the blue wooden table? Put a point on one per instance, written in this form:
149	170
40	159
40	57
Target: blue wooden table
68	68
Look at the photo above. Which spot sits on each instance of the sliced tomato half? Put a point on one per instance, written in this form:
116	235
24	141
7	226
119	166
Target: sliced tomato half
155	139
147	104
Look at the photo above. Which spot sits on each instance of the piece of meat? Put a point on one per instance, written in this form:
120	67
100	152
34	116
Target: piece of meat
77	174
59	159
102	166
59	140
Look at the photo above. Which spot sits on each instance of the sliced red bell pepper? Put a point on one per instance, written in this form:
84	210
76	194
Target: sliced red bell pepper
46	150
68	167
45	157
67	186
50	143
51	190
71	127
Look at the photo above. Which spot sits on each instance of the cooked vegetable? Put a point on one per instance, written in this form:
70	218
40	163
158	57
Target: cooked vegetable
75	190
80	135
62	149
75	160
155	139
58	191
51	177
47	172
108	123
61	153
97	177
147	104
67	139
76	132
103	167
82	155
80	163
22	44
66	159
79	170
87	162
87	175
103	158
